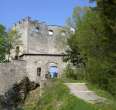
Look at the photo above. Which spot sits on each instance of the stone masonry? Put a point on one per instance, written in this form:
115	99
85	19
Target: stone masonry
10	74
42	46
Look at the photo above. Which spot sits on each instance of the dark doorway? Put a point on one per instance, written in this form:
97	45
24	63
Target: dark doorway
17	50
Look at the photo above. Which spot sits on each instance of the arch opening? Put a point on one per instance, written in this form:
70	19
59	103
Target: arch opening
50	32
53	70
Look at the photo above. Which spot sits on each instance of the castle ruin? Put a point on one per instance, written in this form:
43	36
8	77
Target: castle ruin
42	47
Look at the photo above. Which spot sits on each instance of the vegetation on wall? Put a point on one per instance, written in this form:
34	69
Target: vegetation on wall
8	40
3	35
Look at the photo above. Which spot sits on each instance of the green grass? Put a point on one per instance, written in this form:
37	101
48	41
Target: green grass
57	97
32	100
110	104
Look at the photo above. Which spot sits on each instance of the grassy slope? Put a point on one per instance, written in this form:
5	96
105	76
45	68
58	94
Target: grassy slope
111	100
32	100
57	97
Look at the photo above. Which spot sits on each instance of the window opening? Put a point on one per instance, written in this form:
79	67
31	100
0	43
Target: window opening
38	71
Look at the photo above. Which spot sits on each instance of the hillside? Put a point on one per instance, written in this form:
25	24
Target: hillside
56	96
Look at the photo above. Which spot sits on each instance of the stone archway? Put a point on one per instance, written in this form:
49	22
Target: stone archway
52	69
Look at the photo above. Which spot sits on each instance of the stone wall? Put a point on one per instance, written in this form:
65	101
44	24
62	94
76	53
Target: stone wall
41	41
39	38
10	74
44	62
57	42
40	44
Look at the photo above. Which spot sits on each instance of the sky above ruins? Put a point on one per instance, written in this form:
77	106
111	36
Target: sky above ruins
51	11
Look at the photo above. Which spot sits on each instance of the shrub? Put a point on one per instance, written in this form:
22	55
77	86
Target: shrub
74	73
102	75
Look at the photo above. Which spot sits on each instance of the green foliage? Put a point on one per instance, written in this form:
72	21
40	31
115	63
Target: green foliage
74	73
3	36
94	43
13	40
8	40
106	9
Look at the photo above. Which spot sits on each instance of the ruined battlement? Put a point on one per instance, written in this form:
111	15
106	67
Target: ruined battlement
39	38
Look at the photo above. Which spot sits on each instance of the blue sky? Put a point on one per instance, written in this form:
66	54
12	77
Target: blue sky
51	11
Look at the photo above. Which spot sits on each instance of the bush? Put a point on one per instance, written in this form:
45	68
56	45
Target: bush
74	73
102	75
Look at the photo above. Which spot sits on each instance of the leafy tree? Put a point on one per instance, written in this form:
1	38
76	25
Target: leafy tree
13	39
3	36
8	40
88	39
107	9
94	43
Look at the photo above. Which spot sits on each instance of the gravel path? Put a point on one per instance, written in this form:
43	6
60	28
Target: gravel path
80	90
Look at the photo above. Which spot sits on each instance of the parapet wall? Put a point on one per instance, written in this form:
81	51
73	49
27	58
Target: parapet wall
39	38
10	74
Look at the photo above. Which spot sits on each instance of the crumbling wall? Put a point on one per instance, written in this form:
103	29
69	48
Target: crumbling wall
58	41
37	37
43	61
10	74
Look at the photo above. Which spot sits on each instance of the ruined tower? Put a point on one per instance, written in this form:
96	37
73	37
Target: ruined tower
42	47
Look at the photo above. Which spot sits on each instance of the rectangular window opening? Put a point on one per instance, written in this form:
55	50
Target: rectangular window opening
38	71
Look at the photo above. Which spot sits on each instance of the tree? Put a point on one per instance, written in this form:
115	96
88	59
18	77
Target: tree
3	36
107	9
94	43
88	40
13	39
8	40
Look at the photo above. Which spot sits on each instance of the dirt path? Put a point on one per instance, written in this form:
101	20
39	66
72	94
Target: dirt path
80	90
